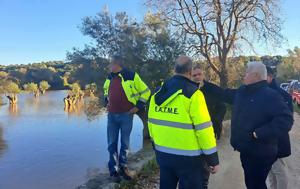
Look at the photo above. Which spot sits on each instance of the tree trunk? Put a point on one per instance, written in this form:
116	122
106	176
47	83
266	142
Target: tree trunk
223	75
13	99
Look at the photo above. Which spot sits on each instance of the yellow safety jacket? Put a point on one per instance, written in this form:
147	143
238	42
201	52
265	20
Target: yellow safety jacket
179	122
136	91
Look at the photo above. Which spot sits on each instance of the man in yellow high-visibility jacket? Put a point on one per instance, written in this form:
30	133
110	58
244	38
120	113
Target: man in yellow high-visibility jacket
181	129
125	94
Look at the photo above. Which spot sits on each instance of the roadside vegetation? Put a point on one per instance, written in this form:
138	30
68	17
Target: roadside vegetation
146	178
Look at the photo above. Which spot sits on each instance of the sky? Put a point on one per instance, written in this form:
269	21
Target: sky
44	30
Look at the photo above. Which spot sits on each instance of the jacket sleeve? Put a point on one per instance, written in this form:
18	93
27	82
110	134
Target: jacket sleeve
224	95
288	99
143	90
219	111
203	128
281	120
105	92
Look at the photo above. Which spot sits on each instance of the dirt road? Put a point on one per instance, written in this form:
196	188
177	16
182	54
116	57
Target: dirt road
231	173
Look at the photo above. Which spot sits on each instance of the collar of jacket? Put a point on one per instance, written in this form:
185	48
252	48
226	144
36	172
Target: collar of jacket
255	86
125	73
172	86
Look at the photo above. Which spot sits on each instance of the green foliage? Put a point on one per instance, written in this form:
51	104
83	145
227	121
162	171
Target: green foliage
12	88
43	86
146	45
290	68
91	88
1	101
31	87
37	72
75	90
149	170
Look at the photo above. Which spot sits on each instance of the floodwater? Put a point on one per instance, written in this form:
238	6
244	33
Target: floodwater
42	146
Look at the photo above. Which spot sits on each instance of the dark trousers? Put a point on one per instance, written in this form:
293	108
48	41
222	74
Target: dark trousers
205	175
116	123
187	170
256	170
217	125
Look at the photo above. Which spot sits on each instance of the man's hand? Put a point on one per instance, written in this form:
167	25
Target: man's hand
214	169
134	110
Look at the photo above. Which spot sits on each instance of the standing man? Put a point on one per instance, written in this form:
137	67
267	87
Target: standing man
259	118
278	178
125	94
180	126
215	106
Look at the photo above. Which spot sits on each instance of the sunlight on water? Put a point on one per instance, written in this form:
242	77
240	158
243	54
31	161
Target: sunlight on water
44	147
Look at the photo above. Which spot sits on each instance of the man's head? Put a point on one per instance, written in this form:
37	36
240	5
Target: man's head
116	63
197	74
271	74
255	72
183	66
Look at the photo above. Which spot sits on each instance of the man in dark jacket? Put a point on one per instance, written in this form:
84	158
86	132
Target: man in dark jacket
215	106
259	118
277	178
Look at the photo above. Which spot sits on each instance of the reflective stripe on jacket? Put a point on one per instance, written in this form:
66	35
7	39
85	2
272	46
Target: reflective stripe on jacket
179	122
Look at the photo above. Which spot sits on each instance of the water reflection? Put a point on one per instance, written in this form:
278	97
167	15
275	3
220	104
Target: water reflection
13	110
93	109
3	145
52	148
76	109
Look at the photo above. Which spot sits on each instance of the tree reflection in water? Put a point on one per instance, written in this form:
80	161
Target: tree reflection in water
93	108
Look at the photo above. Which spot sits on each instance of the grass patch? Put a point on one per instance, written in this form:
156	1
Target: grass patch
140	181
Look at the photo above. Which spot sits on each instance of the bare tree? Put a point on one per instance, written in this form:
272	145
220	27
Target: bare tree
216	29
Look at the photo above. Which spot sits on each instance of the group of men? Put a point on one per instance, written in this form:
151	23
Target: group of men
185	119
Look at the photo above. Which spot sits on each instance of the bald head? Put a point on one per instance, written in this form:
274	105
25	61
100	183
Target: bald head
183	65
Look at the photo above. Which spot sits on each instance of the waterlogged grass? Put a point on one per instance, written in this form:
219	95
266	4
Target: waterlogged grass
143	179
1	101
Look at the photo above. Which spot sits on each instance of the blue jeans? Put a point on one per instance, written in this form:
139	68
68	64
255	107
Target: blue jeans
117	122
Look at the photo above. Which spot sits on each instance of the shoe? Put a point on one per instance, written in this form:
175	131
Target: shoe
115	177
124	172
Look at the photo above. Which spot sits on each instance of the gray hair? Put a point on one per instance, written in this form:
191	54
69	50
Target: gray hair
184	64
259	68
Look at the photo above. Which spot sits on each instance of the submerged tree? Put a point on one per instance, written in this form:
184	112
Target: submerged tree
75	95
91	89
43	86
32	88
3	82
12	90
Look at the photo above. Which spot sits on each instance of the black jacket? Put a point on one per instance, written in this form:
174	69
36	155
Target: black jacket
257	108
284	144
215	106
